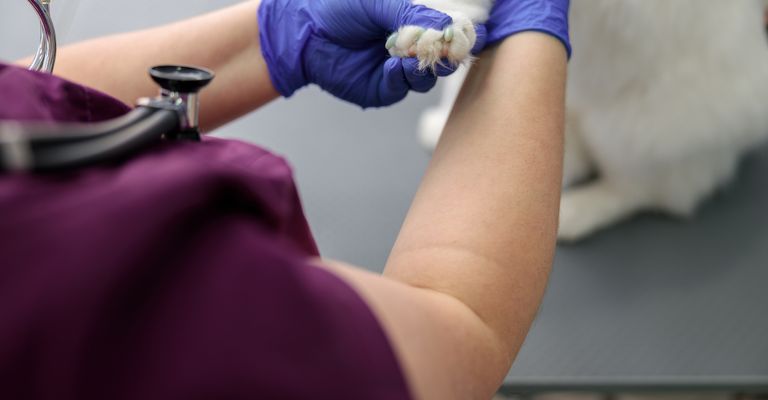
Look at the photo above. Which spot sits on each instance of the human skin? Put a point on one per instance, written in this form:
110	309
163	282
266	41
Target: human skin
225	41
470	265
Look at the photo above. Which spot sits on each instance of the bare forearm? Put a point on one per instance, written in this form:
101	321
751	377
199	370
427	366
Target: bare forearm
225	41
482	227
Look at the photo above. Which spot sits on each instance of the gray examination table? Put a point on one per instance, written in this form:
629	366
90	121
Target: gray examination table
661	304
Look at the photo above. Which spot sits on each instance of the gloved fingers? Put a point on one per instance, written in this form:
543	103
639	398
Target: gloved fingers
482	38
445	68
392	14
393	85
425	17
419	80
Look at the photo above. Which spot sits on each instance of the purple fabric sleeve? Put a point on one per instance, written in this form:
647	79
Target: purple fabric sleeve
183	273
35	96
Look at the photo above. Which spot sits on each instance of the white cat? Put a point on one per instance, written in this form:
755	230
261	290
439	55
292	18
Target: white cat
664	96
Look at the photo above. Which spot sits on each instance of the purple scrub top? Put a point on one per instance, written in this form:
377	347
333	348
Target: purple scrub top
182	273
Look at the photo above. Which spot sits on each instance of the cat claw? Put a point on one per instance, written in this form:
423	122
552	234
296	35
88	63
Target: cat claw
448	34
391	40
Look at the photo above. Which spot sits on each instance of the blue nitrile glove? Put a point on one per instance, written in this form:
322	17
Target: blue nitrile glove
339	45
512	16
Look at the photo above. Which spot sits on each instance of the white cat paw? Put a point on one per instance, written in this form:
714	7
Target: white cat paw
431	46
578	218
586	209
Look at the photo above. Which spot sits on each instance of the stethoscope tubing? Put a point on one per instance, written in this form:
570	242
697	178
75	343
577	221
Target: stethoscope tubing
48	134
79	145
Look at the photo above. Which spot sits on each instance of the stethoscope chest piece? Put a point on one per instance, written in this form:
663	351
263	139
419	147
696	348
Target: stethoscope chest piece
179	89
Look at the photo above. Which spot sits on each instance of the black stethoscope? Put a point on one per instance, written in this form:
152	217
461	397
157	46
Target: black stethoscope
173	115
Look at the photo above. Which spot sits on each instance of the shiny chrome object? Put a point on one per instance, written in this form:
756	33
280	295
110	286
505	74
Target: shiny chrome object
179	90
45	57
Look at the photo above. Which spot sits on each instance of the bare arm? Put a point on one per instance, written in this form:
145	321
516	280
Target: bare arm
470	265
484	220
226	41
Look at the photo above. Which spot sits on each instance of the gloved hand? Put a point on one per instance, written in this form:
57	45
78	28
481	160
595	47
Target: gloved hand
340	46
512	16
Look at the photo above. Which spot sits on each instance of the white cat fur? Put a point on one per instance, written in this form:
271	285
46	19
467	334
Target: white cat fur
663	99
453	43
